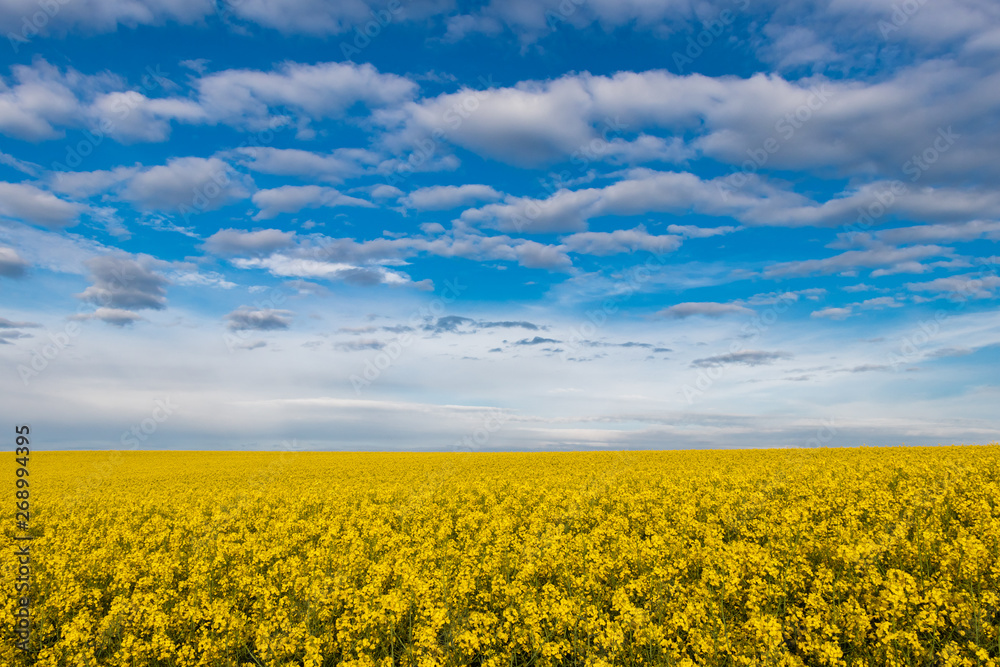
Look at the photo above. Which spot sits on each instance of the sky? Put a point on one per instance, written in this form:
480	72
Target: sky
532	225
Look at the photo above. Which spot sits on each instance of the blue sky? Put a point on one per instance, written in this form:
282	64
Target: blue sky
532	225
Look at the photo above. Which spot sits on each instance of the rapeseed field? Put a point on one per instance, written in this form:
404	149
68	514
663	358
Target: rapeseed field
862	556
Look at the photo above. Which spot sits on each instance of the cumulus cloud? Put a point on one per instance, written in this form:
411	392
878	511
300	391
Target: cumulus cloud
239	242
121	282
42	101
325	18
770	298
27	203
249	318
619	241
386	192
289	266
903	259
969	285
102	15
85	184
833	313
12	265
294	198
445	197
704	308
39	99
943	233
879	303
186	184
695	232
639	192
245	97
332	167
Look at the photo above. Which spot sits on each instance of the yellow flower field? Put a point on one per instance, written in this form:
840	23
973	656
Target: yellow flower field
864	556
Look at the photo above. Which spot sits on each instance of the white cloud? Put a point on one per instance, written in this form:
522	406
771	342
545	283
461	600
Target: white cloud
386	192
619	241
123	282
879	303
130	116
12	265
316	17
28	203
704	308
23	166
297	267
770	298
88	16
119	317
906	259
86	184
969	285
42	99
641	191
943	233
245	97
833	313
695	232
250	318
294	198
188	183
819	125
333	167
445	197
239	242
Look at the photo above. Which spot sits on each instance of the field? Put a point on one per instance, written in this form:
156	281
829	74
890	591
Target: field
863	556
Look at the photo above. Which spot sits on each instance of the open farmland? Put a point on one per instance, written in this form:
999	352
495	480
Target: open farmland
863	556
